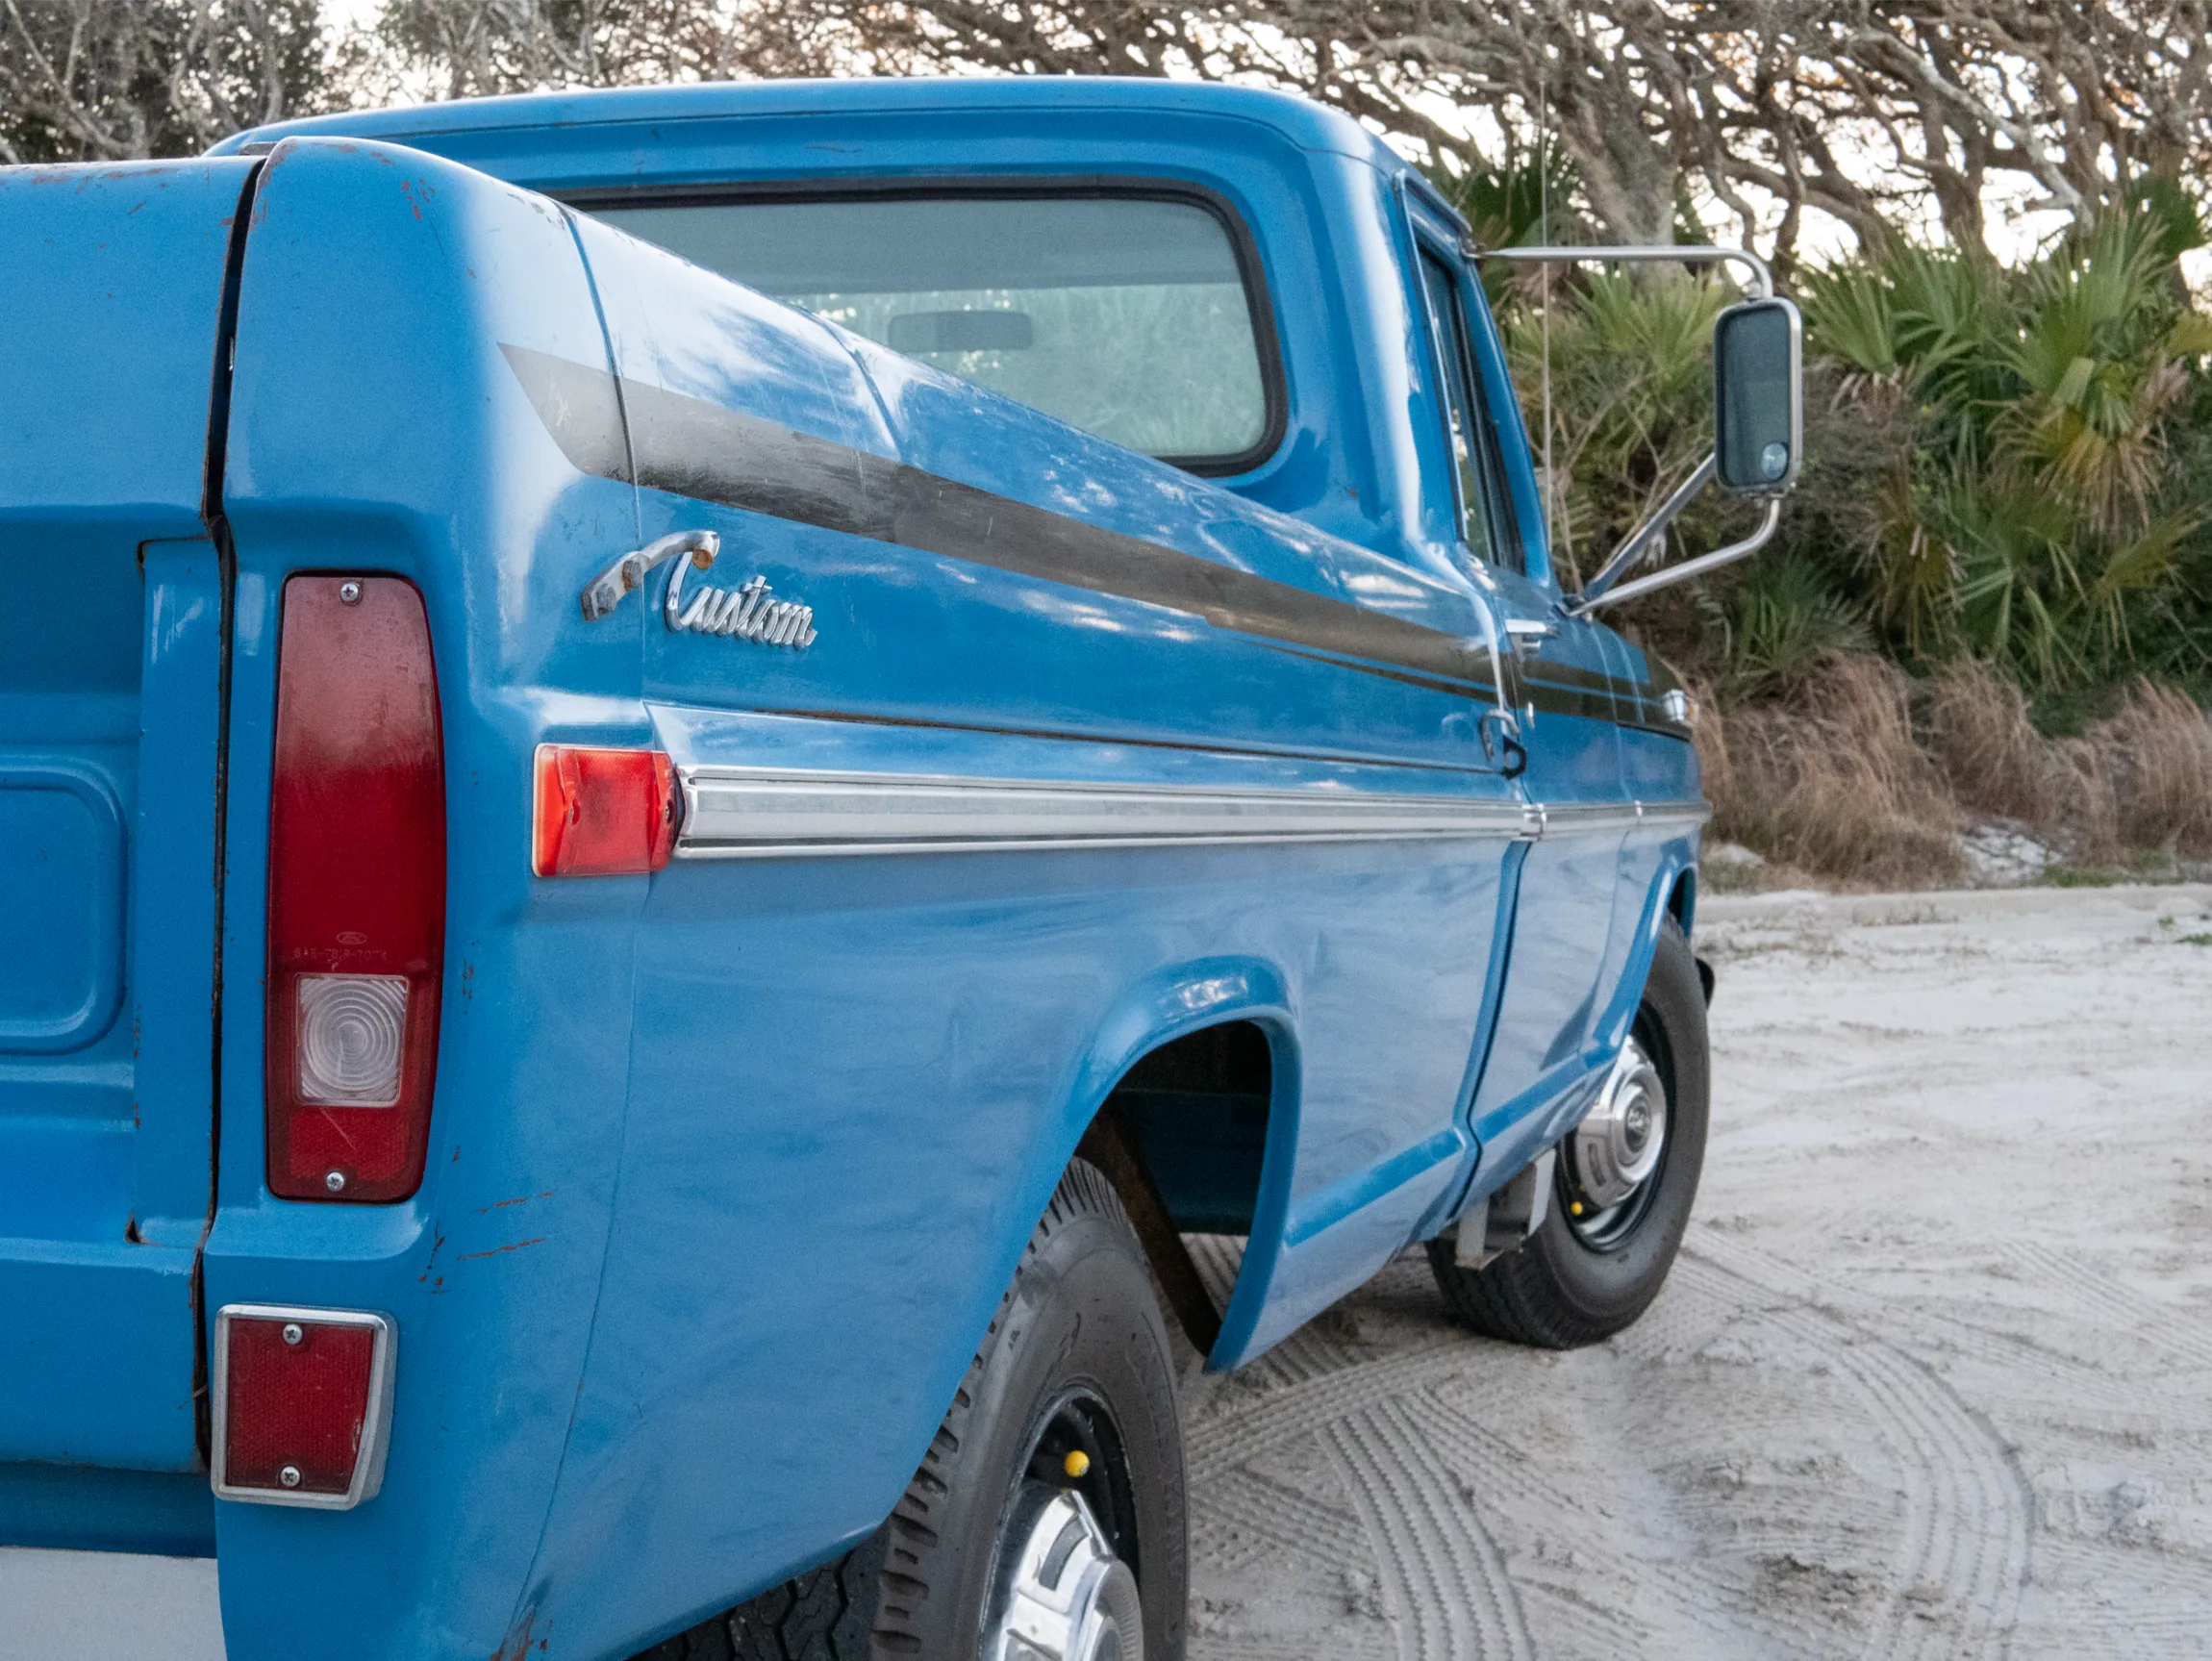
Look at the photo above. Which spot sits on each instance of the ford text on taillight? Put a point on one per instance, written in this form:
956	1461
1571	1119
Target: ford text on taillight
356	891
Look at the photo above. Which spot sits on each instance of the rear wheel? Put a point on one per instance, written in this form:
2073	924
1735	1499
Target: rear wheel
1046	1523
1621	1186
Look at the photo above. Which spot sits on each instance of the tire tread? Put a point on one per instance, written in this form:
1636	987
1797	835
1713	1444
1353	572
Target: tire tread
866	1605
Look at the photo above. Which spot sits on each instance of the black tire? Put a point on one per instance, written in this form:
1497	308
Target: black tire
1077	1357
1560	1291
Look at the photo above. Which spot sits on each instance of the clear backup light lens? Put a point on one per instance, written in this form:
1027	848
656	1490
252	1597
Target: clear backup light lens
352	1038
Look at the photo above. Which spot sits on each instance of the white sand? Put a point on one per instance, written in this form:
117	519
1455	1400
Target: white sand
1933	1379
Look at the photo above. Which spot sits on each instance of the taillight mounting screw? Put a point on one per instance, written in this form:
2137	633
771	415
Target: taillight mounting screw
292	1333
290	1476
350	593
335	1182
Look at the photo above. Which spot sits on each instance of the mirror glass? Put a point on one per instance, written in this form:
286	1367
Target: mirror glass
1758	394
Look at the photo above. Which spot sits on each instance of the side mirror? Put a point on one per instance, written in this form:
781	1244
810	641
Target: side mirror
1758	397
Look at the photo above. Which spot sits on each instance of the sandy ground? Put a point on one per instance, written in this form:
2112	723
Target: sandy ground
1930	1380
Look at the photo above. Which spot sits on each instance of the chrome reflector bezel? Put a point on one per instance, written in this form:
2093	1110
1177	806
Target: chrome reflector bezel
376	1424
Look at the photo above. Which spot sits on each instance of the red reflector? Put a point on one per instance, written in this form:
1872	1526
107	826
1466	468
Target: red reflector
303	1401
602	812
357	891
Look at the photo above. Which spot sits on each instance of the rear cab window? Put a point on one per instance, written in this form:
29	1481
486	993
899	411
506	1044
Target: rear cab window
1135	314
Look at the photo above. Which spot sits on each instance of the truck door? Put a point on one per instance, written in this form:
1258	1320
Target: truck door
110	666
1562	688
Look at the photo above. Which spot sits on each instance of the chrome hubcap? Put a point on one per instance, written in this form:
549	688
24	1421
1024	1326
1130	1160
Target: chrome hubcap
1064	1595
1617	1147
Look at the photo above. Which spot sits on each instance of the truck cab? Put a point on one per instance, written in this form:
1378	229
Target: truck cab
668	735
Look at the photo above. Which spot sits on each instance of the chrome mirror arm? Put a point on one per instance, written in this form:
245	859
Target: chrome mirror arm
1641	540
1600	590
1586	602
1643	254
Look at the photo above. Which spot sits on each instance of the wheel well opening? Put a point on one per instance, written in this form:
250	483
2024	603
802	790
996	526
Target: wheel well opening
1198	1107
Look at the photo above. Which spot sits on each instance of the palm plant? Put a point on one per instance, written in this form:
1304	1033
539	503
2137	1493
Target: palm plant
2034	511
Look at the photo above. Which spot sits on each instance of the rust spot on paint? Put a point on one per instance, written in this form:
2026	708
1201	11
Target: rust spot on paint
497	1249
519	1199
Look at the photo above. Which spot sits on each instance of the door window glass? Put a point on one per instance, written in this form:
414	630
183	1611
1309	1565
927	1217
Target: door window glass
1464	433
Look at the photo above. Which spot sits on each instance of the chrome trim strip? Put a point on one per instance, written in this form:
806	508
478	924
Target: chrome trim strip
763	813
375	1430
1697	811
741	812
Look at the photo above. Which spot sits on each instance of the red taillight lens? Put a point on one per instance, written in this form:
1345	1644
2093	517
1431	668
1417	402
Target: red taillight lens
303	1403
356	891
602	812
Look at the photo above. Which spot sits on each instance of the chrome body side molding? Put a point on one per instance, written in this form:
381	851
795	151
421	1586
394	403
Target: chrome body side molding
752	813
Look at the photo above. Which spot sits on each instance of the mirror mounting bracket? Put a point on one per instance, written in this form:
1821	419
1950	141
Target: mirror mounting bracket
1601	590
1589	601
1644	253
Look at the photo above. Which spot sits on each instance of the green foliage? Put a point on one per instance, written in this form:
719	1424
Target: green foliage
1780	622
2041	508
1630	379
2015	463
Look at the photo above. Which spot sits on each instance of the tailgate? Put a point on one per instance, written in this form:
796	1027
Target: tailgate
112	285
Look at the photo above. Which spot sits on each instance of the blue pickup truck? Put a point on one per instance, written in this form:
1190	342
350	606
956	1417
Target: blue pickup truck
684	773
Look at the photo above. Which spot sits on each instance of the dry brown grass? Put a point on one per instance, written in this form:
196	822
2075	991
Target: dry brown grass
2157	751
1832	779
1836	781
1998	764
1979	730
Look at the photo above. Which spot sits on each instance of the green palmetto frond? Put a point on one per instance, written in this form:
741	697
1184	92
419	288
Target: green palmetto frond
2014	550
1781	621
2103	364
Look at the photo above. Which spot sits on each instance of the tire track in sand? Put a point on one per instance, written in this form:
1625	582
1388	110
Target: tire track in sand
2180	1332
1968	1510
1451	1594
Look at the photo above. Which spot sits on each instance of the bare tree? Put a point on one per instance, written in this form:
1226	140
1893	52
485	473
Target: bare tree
1868	110
102	79
474	47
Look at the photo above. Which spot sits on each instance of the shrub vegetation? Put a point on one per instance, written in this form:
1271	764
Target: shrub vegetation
1990	598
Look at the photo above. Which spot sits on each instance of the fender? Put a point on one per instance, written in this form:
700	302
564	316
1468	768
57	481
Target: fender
1169	1004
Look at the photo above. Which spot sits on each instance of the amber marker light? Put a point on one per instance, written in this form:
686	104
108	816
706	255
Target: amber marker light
602	812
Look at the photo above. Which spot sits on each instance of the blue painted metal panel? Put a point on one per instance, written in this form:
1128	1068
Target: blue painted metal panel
112	290
89	1508
811	1035
174	891
111	287
1563	680
377	426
